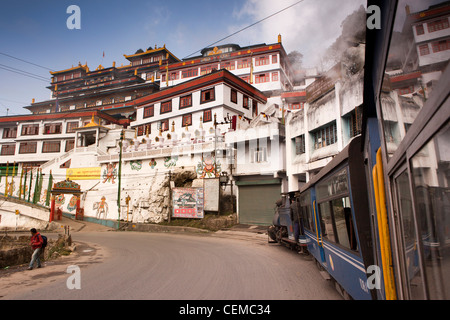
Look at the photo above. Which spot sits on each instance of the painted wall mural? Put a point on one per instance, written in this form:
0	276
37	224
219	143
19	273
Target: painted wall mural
110	173
170	161
101	208
136	165
59	200
72	205
208	168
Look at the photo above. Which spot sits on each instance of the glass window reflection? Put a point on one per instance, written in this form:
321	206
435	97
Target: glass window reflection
431	174
418	54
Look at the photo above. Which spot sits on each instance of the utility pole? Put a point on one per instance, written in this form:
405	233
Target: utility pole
120	177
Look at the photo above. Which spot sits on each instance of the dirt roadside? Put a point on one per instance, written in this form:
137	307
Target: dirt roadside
18	279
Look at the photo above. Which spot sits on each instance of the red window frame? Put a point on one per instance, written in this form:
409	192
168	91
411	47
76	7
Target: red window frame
208	69
166	106
229	65
420	29
70	144
245	102
27	147
262	61
186	120
233	96
274	76
71	126
186	101
439	46
437	25
51	146
424	49
243	63
262	78
189	73
53	128
208	95
207	115
8	149
164	125
10	133
30	130
149	111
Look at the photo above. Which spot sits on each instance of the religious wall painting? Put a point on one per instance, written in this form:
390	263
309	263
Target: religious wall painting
136	165
43	196
72	205
59	200
110	173
153	163
170	161
9	186
101	208
208	167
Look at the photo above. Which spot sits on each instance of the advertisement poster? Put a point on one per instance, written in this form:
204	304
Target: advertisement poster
187	203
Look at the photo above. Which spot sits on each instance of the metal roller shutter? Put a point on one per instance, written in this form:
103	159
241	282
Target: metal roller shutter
257	203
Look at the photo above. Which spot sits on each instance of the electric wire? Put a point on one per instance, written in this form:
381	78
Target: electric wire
34	64
23	73
32	74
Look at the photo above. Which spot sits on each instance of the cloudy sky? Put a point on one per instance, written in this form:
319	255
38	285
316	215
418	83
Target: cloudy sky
35	31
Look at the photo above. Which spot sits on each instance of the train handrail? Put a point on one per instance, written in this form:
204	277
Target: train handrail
319	239
383	228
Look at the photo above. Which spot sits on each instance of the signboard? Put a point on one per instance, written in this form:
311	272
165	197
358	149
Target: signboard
187	203
83	173
212	189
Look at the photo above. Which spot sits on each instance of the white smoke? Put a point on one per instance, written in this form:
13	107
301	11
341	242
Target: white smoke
309	27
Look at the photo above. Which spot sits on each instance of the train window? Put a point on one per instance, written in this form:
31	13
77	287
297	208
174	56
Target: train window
411	68
336	185
344	223
306	212
410	245
431	176
326	221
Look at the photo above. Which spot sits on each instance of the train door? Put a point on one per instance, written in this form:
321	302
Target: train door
412	276
318	250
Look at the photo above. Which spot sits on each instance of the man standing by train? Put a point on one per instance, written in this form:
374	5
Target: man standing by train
36	243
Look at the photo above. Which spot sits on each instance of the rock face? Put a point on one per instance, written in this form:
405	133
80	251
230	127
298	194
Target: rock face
155	206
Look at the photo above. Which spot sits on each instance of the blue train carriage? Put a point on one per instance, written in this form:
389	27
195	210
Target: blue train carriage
335	210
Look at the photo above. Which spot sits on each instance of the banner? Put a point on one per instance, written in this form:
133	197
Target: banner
83	173
187	203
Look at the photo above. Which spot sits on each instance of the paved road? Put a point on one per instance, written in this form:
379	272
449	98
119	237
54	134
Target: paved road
133	265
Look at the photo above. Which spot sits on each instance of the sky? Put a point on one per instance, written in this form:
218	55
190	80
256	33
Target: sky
36	31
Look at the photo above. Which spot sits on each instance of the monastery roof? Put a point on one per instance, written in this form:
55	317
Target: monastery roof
57	116
152	51
80	66
214	77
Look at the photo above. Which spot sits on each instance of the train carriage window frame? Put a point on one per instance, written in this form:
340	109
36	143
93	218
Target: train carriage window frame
421	69
329	192
306	210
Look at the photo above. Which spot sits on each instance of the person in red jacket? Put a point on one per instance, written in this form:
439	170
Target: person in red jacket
36	244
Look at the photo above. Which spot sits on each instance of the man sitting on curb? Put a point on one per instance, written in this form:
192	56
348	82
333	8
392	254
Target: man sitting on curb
36	244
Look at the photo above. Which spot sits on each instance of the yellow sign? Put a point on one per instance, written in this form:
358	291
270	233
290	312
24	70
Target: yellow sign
83	173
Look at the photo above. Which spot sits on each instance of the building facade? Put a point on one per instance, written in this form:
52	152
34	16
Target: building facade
219	114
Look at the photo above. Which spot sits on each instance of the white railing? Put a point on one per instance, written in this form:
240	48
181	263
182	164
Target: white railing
165	151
